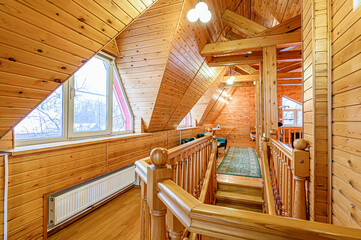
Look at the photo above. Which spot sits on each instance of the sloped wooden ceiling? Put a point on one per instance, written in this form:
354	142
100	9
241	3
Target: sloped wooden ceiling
44	42
144	50
187	75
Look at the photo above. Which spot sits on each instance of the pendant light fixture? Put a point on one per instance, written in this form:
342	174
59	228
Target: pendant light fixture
231	78
201	12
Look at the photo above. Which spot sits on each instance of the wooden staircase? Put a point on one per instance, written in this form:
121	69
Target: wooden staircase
240	192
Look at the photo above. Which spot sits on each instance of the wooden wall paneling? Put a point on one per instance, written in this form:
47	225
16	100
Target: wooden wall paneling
238	117
33	173
346	138
43	43
315	67
144	50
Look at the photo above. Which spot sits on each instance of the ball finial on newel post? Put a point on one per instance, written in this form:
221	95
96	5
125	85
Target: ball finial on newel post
159	156
300	144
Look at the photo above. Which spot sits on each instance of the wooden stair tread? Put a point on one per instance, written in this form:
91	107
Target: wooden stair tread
239	197
242	207
240	181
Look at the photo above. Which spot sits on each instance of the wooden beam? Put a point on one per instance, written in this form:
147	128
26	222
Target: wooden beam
243	78
235	59
284	27
290	67
238	84
255	77
248	69
233	36
253	58
241	23
250	43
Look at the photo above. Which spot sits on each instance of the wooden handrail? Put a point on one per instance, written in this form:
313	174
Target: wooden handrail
229	223
283	147
267	189
191	166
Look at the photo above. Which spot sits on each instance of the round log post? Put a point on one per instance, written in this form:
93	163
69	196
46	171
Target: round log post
156	172
301	171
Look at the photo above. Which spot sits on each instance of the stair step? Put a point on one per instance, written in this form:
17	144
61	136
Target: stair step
238	198
242	207
243	187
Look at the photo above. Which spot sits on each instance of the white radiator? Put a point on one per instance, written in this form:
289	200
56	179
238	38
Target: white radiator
69	203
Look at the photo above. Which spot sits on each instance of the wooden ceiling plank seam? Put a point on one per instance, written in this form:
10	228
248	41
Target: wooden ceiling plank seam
100	12
88	17
112	8
27	44
47	38
66	19
18	55
41	21
29	82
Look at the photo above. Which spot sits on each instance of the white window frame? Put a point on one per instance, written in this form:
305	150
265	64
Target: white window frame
295	112
186	126
68	111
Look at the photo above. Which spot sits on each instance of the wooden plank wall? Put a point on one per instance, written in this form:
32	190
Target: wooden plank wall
346	130
37	172
315	102
238	117
144	50
43	43
307	46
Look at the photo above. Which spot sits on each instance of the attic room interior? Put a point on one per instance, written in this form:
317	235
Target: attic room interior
180	119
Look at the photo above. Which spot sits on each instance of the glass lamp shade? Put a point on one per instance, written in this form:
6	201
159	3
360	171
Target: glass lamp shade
205	16
201	7
230	80
192	15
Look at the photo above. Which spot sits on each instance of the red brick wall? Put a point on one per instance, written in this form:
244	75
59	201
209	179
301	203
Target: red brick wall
238	116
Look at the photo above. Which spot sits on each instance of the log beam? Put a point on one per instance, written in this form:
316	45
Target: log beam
253	58
250	43
241	23
284	27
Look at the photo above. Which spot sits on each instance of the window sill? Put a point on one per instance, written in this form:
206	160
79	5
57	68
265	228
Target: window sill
69	143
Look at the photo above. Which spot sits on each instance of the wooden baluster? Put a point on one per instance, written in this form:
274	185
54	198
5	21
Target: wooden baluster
190	168
289	181
301	170
175	227
156	172
144	213
194	173
173	163
184	171
179	170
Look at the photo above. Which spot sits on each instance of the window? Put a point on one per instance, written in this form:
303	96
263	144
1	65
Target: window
291	112
46	121
356	4
186	122
91	103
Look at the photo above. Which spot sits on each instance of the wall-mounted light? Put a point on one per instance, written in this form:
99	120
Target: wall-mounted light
200	12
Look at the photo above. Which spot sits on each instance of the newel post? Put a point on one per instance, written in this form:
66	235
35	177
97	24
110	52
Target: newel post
301	171
273	134
264	147
156	172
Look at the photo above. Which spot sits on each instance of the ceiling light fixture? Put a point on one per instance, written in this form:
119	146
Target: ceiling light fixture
231	78
200	12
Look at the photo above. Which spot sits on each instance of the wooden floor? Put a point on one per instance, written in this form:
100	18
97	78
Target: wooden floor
119	220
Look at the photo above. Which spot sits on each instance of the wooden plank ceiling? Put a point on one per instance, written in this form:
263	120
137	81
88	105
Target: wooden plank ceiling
44	42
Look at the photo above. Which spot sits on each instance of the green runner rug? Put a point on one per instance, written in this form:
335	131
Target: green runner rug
240	161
